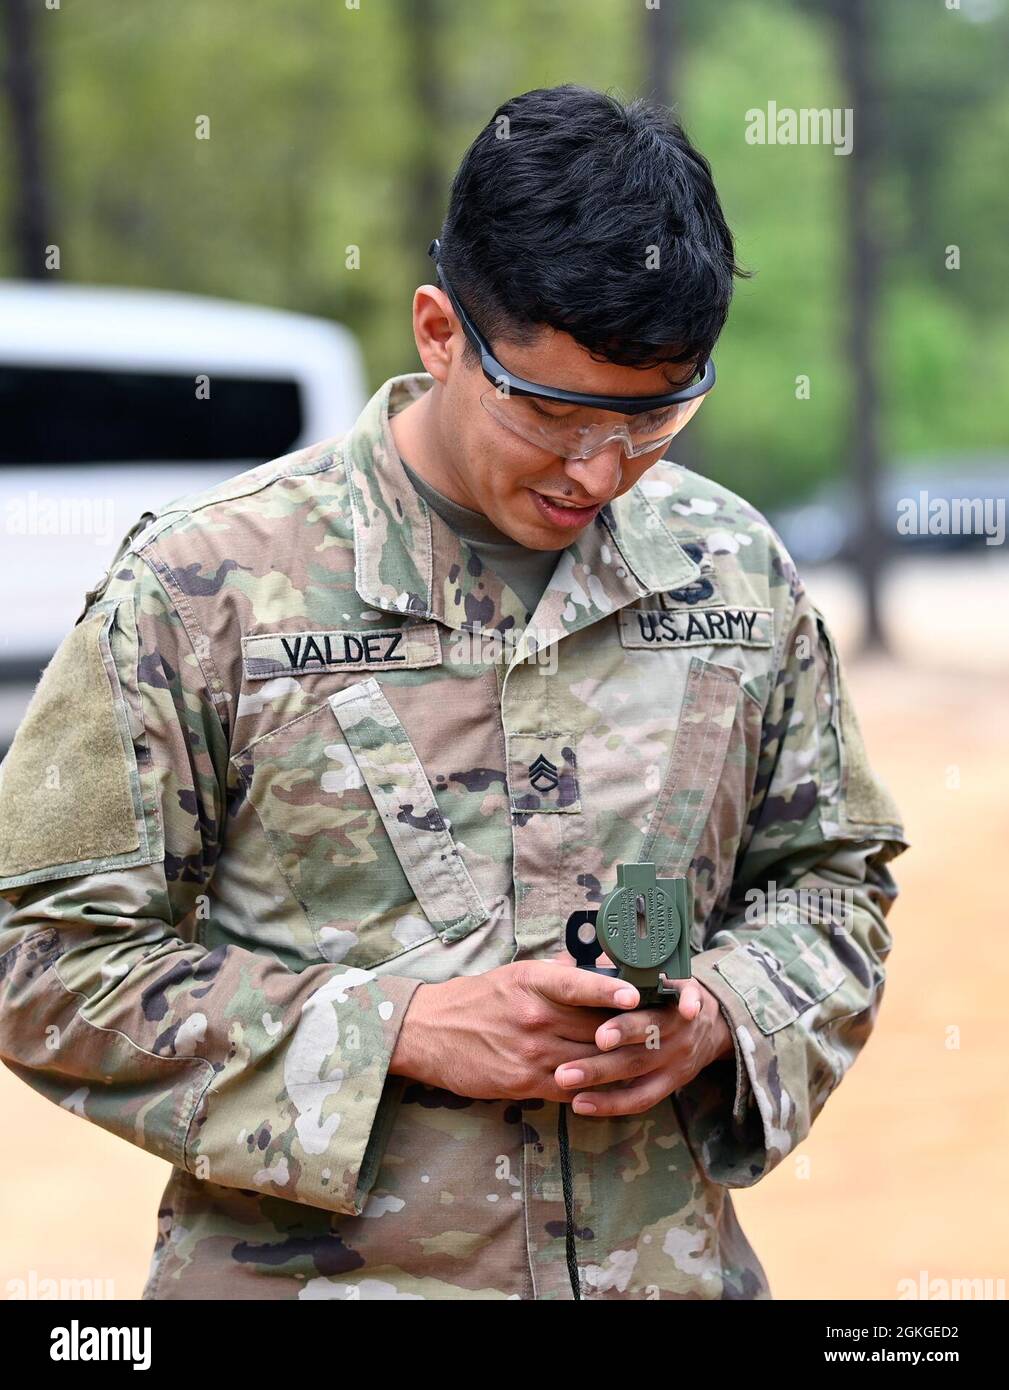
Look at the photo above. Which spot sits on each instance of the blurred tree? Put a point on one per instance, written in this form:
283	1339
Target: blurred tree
853	23
29	205
334	128
661	40
424	207
662	61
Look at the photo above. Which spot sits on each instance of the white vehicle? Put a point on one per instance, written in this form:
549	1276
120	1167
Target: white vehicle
114	402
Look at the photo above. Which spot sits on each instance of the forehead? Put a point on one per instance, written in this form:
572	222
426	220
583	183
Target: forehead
556	359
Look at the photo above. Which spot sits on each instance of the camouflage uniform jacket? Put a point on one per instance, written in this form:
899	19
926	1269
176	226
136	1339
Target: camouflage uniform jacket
282	771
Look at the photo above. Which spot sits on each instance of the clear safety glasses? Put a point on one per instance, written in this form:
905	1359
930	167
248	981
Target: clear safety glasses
575	424
578	433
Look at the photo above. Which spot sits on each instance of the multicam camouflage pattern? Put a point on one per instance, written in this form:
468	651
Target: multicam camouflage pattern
324	824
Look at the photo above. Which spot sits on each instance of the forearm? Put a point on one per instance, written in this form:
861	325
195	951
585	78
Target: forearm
801	998
179	1050
415	1053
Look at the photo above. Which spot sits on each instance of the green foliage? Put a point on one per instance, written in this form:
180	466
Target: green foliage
335	127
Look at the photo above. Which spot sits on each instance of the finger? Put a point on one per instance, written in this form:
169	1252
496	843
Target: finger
584	989
632	1099
639	1026
570	1054
623	1064
564	957
578	1025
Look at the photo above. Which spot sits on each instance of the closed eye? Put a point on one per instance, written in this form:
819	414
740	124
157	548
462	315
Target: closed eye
654	418
549	414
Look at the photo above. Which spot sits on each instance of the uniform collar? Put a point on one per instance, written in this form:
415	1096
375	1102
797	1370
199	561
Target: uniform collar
408	560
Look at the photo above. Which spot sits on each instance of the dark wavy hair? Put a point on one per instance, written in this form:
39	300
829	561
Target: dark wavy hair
554	211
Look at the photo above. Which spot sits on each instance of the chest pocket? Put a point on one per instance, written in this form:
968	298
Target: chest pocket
399	787
352	819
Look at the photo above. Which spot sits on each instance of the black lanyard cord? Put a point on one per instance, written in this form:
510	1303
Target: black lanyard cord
569	1201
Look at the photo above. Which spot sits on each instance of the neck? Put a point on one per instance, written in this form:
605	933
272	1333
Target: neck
417	433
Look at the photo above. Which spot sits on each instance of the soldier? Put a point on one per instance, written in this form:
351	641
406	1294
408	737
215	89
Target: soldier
302	804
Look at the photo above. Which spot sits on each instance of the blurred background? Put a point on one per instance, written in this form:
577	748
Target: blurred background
247	191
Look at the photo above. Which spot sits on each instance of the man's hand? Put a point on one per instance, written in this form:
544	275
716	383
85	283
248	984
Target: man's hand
652	1051
505	1034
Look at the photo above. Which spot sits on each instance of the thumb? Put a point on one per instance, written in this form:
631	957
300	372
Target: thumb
564	957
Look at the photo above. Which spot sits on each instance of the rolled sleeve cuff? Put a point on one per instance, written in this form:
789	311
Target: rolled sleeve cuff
743	1100
379	1101
323	1110
719	1107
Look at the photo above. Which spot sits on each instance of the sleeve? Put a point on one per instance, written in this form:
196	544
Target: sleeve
225	1062
797	960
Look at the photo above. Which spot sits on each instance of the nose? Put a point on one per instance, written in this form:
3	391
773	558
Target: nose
599	476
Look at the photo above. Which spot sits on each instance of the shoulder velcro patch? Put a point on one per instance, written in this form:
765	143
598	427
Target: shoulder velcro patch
867	801
864	801
67	784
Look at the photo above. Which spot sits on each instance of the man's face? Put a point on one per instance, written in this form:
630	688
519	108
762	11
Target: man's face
516	484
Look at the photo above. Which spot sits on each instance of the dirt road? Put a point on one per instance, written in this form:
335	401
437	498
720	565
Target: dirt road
903	1171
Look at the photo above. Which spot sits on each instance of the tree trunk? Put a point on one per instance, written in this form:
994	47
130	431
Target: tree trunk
852	25
424	207
661	36
30	214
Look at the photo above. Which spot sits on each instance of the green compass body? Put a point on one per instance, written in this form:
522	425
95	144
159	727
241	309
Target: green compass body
643	925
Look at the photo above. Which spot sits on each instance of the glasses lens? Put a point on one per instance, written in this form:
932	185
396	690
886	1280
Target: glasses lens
648	439
577	431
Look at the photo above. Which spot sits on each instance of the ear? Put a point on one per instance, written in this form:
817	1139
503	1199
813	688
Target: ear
436	331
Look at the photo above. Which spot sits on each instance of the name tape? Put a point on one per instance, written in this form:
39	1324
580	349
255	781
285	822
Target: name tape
267	655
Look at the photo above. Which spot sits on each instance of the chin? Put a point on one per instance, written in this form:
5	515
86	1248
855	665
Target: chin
538	544
522	534
529	531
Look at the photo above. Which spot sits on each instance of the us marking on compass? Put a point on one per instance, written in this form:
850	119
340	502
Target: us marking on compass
543	774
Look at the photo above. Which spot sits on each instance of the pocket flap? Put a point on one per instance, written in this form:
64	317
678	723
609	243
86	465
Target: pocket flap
399	786
707	715
776	992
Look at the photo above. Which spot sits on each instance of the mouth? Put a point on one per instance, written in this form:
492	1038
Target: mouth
560	513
